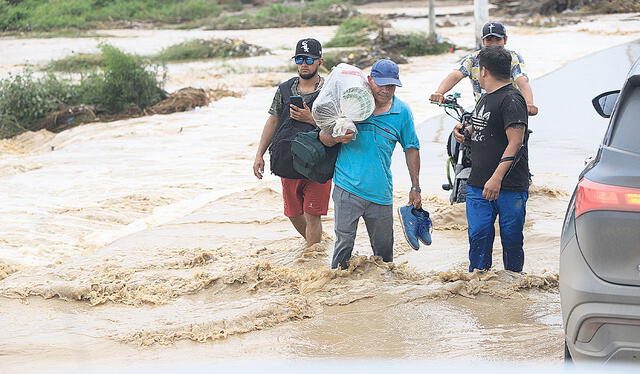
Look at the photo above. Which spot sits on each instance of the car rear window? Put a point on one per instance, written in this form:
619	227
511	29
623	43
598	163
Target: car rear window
626	133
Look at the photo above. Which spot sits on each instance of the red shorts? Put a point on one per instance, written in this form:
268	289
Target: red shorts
305	196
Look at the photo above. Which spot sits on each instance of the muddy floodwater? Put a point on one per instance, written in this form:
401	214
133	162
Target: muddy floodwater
149	240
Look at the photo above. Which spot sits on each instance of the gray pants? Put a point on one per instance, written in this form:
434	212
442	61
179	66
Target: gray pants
378	219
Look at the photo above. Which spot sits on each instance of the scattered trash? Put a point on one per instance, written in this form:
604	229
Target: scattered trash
67	118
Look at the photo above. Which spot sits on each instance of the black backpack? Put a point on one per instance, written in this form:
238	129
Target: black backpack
281	158
313	159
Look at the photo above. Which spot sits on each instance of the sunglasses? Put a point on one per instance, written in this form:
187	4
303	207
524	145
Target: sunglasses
308	60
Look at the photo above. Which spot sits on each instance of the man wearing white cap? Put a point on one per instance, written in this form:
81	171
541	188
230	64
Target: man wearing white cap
493	33
362	179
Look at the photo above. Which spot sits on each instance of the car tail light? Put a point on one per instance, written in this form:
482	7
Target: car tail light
598	196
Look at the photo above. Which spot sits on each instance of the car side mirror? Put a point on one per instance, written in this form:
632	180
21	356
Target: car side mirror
605	102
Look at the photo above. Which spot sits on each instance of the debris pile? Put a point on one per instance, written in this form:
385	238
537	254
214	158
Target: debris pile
549	7
180	101
362	58
211	48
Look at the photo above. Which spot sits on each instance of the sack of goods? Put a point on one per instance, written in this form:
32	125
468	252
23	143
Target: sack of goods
345	98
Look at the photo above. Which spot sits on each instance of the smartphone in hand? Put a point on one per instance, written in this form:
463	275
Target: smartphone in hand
297	101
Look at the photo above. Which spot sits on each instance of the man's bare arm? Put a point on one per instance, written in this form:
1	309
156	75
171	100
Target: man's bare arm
515	137
525	89
329	140
267	134
446	85
412	156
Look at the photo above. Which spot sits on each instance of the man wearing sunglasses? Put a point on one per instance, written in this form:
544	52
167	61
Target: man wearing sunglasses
363	180
305	201
493	34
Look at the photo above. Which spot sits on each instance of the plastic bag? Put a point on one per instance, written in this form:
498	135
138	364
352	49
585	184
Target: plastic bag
345	98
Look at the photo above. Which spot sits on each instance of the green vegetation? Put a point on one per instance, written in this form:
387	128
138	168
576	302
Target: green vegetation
214	48
55	14
332	59
125	82
354	31
61	33
415	44
313	13
47	15
77	63
24	99
190	50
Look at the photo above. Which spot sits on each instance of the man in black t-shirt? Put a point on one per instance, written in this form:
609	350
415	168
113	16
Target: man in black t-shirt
499	180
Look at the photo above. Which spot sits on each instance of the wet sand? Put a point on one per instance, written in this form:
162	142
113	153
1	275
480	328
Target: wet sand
150	241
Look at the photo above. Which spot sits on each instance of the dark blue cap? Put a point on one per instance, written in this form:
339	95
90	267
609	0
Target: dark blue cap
386	72
493	29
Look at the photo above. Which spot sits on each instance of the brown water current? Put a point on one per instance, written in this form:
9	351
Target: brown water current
149	240
169	285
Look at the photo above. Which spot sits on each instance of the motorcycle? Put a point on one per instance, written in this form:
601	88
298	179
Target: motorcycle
459	153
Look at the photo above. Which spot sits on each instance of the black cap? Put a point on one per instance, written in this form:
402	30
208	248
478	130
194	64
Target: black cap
309	47
493	29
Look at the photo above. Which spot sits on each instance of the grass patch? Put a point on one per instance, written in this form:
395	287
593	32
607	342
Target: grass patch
125	82
61	33
354	31
77	63
190	50
213	48
46	15
414	44
313	13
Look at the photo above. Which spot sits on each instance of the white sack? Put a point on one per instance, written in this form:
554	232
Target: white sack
345	98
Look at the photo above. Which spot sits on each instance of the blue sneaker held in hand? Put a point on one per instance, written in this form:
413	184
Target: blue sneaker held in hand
409	223
424	225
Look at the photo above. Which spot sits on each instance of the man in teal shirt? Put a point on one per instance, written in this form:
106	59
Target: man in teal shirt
363	180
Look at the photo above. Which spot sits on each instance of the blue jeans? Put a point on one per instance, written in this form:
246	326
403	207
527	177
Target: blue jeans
511	206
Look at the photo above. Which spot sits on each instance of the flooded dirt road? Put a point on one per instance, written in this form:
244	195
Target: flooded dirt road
149	240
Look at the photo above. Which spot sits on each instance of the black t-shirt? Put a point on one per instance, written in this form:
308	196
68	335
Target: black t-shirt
493	113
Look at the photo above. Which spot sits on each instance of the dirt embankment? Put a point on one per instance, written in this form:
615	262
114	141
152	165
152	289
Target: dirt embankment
180	101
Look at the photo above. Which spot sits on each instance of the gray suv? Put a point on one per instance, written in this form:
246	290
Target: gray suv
600	242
